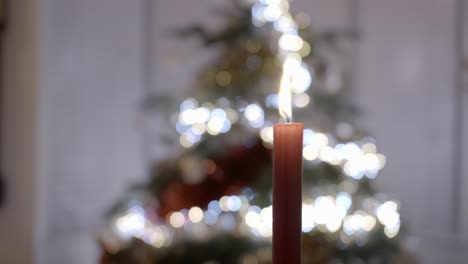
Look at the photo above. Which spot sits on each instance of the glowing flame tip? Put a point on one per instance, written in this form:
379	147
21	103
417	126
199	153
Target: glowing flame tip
284	103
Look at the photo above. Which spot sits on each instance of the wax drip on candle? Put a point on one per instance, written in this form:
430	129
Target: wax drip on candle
284	104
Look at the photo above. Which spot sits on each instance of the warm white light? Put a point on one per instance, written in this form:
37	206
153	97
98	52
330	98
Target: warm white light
260	221
202	114
267	134
321	140
352	168
177	219
284	102
158	236
351	151
131	224
187	117
185	142
372	164
310	152
198	128
333	225
388	215
305	50
252	219
271	2
351	224
368	223
308	213
330	155
382	160
327	212
215	125
267	215
391	232
223	203
290	42
285	24
195	214
232	115
369	148
265	230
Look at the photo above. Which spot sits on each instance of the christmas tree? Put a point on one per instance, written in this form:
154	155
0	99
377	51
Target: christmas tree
212	203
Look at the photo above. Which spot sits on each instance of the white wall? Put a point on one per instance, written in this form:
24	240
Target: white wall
89	145
70	132
463	93
407	83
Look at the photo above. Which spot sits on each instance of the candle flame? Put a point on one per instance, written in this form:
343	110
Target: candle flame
284	104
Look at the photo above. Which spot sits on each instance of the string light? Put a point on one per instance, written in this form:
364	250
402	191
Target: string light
330	214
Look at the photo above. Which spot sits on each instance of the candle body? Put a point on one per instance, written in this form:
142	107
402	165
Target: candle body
287	193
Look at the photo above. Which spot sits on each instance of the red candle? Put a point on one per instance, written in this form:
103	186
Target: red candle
287	193
287	176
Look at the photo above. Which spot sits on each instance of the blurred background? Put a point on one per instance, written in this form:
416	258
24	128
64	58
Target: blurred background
117	118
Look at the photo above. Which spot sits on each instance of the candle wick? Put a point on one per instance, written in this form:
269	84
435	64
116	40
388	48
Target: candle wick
287	119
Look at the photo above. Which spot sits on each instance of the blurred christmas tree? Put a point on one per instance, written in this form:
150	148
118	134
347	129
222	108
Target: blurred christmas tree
212	204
